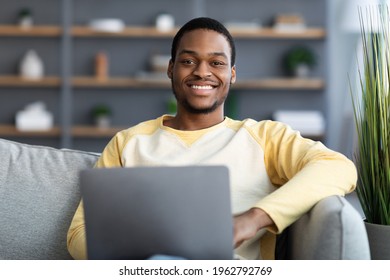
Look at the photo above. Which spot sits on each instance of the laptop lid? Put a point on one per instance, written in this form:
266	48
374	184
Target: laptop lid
134	213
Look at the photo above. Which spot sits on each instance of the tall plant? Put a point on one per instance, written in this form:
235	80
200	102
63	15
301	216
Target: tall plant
372	117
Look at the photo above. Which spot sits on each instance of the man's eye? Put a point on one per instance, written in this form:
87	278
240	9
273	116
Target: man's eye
218	63
187	61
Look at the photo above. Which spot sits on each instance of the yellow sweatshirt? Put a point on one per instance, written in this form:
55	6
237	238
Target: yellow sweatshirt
271	167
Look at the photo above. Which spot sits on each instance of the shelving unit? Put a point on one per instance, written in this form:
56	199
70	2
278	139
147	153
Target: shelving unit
78	89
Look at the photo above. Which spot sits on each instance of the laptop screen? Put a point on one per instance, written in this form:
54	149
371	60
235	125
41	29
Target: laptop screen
135	213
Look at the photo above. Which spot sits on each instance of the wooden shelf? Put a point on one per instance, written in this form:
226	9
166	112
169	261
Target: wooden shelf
119	82
281	83
134	31
269	83
152	32
12	131
271	33
36	31
94	132
16	81
139	31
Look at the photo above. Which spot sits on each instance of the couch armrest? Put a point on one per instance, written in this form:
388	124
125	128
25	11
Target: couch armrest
331	230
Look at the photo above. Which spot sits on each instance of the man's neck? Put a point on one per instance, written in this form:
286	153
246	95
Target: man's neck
194	121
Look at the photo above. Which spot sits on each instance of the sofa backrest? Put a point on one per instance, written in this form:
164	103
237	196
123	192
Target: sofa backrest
39	193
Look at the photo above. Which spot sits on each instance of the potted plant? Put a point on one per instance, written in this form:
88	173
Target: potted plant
299	60
101	115
25	17
372	116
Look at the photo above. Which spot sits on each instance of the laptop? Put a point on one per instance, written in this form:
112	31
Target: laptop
139	212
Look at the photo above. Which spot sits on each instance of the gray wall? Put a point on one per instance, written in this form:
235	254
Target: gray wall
342	68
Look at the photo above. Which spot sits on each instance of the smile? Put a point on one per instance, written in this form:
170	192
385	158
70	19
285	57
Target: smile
201	87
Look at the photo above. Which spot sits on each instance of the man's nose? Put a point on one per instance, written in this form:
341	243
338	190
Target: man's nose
202	70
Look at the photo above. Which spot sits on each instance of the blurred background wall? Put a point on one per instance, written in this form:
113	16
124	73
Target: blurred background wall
135	90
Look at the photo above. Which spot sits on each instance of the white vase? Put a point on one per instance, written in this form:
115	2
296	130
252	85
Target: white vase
165	22
31	66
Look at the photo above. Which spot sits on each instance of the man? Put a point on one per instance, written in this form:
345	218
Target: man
276	175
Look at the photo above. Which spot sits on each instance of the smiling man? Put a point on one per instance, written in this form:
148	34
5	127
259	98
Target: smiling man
201	71
276	175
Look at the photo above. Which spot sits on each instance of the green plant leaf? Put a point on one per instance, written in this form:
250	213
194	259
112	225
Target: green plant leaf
372	118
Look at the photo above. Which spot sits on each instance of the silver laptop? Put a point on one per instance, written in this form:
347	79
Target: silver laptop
135	213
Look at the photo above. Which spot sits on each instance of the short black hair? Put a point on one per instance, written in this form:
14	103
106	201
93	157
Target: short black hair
208	24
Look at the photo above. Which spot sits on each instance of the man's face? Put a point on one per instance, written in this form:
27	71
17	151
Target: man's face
201	73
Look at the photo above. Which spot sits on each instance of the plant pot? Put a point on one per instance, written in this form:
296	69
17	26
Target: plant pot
379	239
25	21
302	70
103	121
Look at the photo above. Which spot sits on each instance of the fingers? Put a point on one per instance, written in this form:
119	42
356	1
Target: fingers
243	229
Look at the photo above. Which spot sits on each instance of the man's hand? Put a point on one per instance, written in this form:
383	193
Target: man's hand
247	224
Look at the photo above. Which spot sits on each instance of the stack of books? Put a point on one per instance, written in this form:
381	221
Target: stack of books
289	23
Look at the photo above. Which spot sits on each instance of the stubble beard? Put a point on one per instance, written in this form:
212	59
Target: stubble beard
198	111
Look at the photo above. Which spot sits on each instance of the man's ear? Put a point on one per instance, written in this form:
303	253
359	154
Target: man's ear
170	69
233	78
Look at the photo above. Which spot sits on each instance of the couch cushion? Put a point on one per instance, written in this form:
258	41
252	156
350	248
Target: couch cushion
331	230
39	193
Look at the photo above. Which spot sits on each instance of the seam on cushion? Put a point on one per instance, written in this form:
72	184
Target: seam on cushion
342	236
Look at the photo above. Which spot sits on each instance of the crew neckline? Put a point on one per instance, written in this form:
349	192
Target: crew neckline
189	136
166	117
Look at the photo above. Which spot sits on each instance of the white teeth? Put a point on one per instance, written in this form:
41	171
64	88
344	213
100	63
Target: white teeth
201	87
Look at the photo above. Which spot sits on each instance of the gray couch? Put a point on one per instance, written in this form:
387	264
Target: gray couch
39	193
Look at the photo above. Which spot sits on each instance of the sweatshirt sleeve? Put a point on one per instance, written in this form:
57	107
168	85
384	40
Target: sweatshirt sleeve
305	172
76	238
